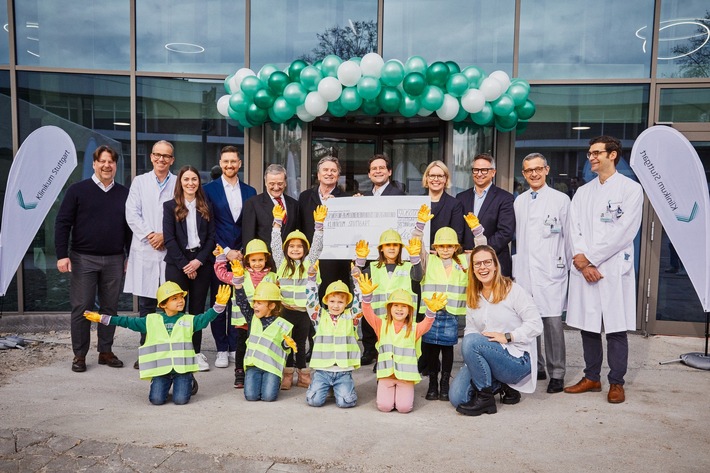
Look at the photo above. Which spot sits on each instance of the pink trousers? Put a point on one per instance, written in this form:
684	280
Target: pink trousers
395	394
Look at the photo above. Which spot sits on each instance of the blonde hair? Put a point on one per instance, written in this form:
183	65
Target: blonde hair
501	284
442	166
389	320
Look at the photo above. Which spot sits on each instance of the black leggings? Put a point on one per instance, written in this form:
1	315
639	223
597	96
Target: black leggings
301	327
432	353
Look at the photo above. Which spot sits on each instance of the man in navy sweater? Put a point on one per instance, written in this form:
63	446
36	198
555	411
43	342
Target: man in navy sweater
94	213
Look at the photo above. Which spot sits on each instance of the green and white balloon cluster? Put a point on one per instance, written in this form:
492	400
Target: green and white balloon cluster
372	86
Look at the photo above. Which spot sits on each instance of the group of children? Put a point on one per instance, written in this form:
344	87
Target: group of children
278	308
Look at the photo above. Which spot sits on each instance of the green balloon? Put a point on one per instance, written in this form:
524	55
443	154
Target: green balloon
369	88
526	111
503	105
295	93
350	99
521	127
457	85
453	67
507	121
484	117
433	97
264	98
409	106
392	73
462	115
518	93
266	71
282	109
274	119
370	107
336	109
278	82
239	102
475	75
415	64
236	115
389	99
330	65
255	115
250	85
437	74
414	83
294	70
227	88
310	76
521	82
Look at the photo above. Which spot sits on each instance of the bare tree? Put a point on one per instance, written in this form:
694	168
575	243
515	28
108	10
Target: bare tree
354	40
695	63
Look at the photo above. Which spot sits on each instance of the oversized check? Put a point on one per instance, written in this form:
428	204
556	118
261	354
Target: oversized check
351	219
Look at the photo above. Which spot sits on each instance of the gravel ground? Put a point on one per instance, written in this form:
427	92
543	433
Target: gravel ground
41	349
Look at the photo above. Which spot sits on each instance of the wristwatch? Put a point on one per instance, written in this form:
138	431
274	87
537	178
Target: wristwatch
508	338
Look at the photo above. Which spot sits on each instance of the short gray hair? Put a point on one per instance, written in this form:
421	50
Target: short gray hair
486	157
326	159
274	169
532	156
164	142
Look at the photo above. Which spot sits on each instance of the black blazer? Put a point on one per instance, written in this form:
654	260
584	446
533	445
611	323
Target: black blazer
391	189
448	212
258	218
307	203
498	220
175	235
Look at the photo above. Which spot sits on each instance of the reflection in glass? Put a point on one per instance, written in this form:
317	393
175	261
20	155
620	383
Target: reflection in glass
581	39
4	37
469	33
201	36
468	141
282	145
9	301
685	105
684	39
79	34
352	153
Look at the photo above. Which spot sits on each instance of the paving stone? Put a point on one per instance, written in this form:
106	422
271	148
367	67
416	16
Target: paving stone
290	468
92	448
180	462
61	443
242	465
7	434
143	457
10	465
67	463
35	462
26	438
7	446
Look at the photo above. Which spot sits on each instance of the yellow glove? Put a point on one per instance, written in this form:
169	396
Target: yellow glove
437	302
362	249
223	294
424	214
471	220
93	316
218	251
414	247
237	268
313	270
319	213
279	212
289	341
366	285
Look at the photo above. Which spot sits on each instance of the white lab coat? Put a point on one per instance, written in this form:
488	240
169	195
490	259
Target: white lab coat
541	263
144	214
604	220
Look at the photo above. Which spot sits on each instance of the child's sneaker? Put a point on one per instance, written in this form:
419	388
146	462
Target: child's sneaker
232	356
202	364
222	360
239	378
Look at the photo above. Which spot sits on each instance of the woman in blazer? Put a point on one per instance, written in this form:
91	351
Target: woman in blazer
189	233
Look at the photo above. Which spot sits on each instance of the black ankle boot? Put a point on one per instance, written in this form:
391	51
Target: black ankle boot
433	393
509	395
444	387
483	403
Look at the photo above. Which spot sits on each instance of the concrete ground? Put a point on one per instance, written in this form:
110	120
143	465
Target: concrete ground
52	419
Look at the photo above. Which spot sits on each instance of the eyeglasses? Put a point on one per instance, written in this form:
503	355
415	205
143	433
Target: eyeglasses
595	154
436	177
481	171
537	170
486	263
165	157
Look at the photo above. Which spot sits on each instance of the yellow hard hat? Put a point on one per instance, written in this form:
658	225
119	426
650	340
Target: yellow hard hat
390	236
401	296
446	236
337	286
167	290
267	291
297	235
256	246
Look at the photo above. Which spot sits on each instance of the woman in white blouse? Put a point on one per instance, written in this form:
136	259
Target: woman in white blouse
499	347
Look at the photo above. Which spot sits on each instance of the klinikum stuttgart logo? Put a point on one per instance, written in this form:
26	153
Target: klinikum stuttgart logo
45	186
23	204
666	193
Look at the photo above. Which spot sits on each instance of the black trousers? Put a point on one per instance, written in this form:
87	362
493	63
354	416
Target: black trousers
301	327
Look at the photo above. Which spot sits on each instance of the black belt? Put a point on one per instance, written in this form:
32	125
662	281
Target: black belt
194	250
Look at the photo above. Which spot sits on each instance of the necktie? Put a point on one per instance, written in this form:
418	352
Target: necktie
533	194
281	203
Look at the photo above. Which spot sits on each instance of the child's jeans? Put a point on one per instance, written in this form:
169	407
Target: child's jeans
393	393
160	387
342	384
260	385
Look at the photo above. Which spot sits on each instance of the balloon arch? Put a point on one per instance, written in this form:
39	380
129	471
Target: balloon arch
370	85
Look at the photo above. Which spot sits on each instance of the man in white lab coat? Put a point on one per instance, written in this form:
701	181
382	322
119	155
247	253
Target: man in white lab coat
605	217
541	264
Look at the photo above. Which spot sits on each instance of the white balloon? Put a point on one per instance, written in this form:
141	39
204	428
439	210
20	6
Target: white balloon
315	104
223	105
424	112
239	76
330	89
473	101
448	111
371	65
501	77
303	115
349	73
491	88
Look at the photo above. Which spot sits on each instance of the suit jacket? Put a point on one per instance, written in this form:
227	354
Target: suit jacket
258	219
307	203
228	232
391	189
498	219
175	236
448	212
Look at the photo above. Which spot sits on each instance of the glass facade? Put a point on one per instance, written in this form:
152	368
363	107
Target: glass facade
683	49
4	37
685	105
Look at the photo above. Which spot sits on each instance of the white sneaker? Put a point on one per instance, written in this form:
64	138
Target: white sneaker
232	356
202	364
222	360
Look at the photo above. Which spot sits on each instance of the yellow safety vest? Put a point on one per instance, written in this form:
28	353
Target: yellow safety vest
400	279
335	344
238	318
398	354
162	352
265	347
293	288
453	285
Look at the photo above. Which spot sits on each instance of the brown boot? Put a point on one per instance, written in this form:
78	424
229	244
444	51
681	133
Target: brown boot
287	379
304	377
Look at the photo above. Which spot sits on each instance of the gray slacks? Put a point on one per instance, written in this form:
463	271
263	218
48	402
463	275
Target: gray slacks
554	360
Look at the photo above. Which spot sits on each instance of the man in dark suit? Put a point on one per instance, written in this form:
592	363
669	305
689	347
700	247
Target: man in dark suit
228	196
494	208
257	218
380	173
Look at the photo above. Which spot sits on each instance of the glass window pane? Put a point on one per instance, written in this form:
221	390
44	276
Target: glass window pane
683	39
88	108
282	145
201	36
468	141
283	31
79	34
581	39
4	37
685	105
9	301
470	33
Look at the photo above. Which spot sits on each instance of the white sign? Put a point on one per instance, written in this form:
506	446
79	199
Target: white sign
351	219
40	169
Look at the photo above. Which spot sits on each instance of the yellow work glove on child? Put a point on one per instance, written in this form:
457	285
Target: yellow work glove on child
96	317
435	304
474	224
414	249
279	213
423	216
291	343
319	215
218	251
366	287
237	273
222	297
362	249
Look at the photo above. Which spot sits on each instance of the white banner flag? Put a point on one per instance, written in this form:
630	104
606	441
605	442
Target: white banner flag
671	173
40	169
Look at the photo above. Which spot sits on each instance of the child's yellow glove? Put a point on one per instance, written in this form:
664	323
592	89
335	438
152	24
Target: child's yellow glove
362	249
218	251
313	270
471	220
289	341
320	213
279	212
237	268
414	247
437	302
424	214
366	284
223	294
93	316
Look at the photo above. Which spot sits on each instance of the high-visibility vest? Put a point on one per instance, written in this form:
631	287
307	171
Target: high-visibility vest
162	352
293	287
238	318
398	353
265	347
335	344
453	285
400	279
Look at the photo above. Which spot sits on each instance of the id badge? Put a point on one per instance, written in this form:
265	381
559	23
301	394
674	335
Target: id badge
556	228
606	217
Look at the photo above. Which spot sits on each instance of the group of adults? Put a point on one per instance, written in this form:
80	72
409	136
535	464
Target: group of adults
169	225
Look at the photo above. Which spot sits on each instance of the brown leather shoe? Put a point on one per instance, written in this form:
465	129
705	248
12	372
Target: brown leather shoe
78	365
108	358
616	394
584	385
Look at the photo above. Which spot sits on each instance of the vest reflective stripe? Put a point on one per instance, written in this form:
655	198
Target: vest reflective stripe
265	347
401	279
398	354
453	285
162	352
335	344
238	318
293	290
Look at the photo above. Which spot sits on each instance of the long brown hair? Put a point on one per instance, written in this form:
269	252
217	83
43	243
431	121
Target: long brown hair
382	260
389	320
501	284
201	205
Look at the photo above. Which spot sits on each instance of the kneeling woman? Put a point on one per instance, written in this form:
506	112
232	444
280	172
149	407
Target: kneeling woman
499	348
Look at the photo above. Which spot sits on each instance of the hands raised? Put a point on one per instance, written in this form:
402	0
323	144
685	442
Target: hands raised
424	214
223	294
362	249
320	213
437	302
366	284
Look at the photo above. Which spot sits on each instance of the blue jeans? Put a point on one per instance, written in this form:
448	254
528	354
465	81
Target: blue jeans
342	384
160	386
487	364
260	385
